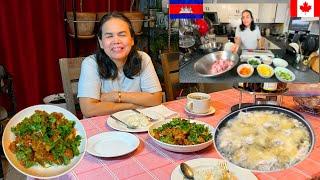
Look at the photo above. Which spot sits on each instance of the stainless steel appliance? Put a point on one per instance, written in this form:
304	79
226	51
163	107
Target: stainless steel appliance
213	17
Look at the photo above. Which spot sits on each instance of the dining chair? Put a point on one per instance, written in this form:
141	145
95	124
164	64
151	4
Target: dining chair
170	67
70	73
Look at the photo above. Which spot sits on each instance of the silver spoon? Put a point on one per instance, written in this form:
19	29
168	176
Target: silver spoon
187	171
128	126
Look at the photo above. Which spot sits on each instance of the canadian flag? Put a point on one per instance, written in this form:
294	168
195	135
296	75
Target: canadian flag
305	8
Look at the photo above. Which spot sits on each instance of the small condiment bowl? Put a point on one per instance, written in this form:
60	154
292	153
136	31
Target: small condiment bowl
265	71
254	61
245	70
284	74
266	60
278	62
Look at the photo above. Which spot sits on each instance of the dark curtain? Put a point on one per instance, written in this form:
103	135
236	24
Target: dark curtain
32	39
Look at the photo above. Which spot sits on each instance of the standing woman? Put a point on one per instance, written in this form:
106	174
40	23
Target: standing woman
117	77
247	35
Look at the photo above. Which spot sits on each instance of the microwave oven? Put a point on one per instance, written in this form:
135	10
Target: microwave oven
213	17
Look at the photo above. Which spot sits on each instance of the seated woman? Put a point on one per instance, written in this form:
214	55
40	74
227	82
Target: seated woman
248	35
117	77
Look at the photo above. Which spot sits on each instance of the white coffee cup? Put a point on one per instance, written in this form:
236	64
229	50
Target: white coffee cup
198	102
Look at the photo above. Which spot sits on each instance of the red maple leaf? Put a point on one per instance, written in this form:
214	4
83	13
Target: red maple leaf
305	8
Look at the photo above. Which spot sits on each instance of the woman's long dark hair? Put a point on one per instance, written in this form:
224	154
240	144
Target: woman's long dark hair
252	25
107	68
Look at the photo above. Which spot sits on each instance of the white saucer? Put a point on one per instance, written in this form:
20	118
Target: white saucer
211	111
112	144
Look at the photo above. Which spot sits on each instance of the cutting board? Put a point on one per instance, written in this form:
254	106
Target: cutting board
254	53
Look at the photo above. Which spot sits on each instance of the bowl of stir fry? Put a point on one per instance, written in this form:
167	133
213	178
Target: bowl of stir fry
44	141
181	135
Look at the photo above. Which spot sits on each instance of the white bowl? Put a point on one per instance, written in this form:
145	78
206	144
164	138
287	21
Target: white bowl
262	67
284	74
38	171
250	67
181	148
266	60
278	62
253	59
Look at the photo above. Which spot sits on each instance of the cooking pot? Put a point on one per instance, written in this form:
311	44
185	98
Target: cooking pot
279	109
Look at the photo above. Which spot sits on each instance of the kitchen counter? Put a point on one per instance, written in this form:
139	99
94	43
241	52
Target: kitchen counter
188	75
281	43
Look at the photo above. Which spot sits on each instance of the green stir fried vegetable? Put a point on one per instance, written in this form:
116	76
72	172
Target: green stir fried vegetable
253	62
284	75
45	139
182	132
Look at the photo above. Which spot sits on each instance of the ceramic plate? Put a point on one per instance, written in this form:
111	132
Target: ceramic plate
278	62
212	163
39	171
112	144
181	148
211	111
123	115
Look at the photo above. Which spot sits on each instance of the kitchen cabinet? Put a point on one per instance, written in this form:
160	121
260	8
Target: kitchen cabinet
221	9
267	12
228	12
223	14
210	7
254	8
281	13
235	10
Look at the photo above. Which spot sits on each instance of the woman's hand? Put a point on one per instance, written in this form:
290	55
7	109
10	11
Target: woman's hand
261	43
236	45
235	48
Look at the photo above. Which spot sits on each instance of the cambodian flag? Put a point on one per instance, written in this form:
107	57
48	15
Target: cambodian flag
186	9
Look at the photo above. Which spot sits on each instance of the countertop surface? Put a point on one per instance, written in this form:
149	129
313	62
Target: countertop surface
281	43
188	75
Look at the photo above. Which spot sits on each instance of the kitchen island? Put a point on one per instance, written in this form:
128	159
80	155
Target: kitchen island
187	73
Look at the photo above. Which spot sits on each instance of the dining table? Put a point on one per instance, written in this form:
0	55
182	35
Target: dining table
150	161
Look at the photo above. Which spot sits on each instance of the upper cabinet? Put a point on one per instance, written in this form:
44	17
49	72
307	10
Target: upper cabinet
267	12
254	8
228	12
262	12
281	12
210	7
223	13
235	10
